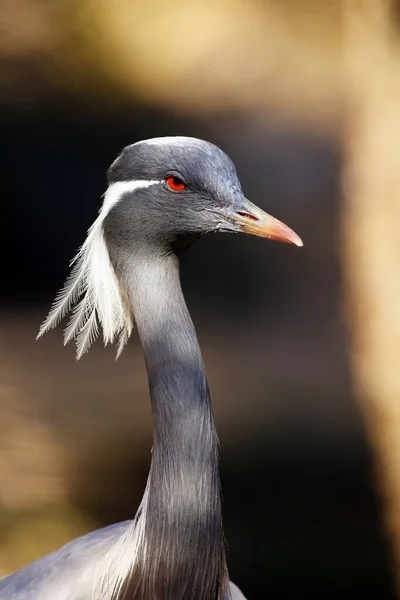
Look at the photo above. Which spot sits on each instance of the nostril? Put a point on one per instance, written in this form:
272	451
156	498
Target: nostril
247	215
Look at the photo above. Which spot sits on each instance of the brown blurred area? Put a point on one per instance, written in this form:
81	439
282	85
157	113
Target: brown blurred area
298	95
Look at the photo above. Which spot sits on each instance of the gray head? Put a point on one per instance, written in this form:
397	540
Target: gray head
163	193
193	183
194	190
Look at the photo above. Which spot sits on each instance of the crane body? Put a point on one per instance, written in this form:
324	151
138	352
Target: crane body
162	195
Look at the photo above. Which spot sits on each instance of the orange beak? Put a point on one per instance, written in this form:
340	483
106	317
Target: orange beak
248	218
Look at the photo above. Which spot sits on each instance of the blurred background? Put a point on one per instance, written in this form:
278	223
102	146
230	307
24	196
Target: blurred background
301	346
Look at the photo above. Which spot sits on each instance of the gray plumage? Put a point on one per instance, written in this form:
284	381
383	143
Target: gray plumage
163	194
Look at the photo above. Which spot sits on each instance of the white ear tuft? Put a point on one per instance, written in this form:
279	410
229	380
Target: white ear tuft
92	291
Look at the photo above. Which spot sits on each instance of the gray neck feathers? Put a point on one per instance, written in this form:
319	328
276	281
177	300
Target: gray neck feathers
183	557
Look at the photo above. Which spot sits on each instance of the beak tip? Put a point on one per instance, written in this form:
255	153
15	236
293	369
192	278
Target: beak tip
288	235
297	241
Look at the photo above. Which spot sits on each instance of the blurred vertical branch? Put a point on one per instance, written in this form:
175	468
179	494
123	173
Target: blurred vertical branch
370	227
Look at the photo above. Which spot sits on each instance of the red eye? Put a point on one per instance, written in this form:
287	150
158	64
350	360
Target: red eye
175	184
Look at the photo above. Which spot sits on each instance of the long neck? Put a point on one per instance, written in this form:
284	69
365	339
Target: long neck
184	549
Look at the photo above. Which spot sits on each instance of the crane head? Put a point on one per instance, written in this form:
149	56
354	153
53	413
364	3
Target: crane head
194	190
163	193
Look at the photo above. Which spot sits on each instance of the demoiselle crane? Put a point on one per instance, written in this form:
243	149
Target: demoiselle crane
162	195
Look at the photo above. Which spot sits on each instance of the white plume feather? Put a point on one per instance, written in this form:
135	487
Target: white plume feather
92	292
